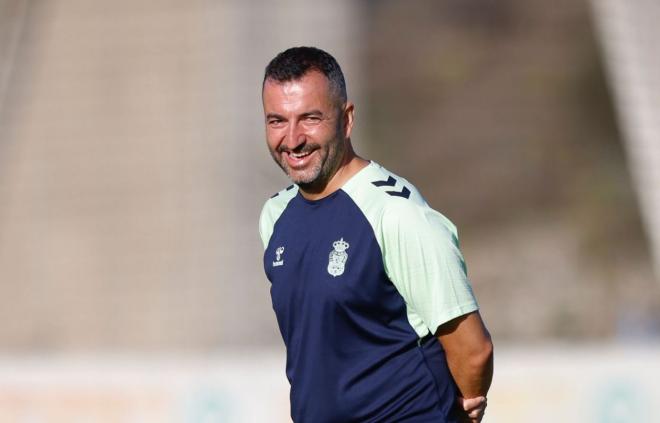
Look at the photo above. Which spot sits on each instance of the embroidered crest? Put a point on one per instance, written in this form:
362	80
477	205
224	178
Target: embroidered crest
279	261
338	257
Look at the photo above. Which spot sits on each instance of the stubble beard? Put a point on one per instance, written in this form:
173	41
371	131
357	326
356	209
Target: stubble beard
319	174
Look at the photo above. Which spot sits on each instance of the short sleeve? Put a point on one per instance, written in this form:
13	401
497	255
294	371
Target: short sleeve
265	225
423	260
272	211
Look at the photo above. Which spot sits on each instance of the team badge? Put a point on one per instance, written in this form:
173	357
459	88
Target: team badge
338	257
279	261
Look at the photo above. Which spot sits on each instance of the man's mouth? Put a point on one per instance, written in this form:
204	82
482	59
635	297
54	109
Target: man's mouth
298	160
300	155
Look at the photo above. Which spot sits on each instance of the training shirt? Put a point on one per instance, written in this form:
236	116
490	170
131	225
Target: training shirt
360	281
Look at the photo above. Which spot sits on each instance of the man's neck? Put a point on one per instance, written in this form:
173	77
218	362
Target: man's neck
349	167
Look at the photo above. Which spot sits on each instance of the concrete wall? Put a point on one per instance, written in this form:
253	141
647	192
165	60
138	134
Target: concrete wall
133	168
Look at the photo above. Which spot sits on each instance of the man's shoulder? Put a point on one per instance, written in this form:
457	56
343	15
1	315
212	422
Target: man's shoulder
282	197
273	209
277	202
390	201
376	189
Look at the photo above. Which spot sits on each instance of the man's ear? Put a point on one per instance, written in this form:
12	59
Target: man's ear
348	115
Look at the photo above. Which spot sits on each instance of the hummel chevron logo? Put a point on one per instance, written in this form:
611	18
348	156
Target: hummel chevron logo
389	183
405	192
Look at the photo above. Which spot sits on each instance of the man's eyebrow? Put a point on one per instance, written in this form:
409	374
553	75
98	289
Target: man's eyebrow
314	112
274	116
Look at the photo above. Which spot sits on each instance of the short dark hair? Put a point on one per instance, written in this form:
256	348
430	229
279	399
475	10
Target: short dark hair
294	63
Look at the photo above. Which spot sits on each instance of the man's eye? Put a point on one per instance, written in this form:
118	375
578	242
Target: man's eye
274	122
313	119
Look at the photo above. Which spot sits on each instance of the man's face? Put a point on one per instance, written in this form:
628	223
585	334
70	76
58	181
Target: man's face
304	128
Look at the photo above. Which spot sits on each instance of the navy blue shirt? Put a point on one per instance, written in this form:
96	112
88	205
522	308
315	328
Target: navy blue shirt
360	346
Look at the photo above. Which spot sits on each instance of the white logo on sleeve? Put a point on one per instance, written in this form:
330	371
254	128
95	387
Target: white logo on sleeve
338	257
279	261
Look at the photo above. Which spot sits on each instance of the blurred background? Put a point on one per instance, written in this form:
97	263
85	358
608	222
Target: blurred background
133	168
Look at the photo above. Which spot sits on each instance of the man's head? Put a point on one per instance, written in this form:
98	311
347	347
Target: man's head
308	117
294	63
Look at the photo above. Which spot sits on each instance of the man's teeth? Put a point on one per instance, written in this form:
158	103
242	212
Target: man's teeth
300	155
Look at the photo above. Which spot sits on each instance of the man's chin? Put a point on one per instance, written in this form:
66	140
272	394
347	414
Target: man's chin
302	181
304	178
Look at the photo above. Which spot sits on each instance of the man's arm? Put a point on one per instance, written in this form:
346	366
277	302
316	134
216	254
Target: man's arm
469	353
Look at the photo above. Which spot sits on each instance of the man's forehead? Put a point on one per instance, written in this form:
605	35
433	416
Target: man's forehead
310	87
288	88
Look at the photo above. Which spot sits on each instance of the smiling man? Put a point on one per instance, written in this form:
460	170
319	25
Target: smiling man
368	284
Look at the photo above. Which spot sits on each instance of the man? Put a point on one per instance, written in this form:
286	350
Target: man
365	277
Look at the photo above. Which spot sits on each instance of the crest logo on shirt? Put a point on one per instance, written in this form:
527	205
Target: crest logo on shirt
338	257
279	261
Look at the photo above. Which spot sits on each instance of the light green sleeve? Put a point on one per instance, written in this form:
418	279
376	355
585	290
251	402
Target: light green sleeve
272	211
422	259
266	224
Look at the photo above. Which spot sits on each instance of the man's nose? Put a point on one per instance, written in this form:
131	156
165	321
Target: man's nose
294	137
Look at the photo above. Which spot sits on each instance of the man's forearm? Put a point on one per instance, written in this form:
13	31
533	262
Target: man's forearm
473	374
469	352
